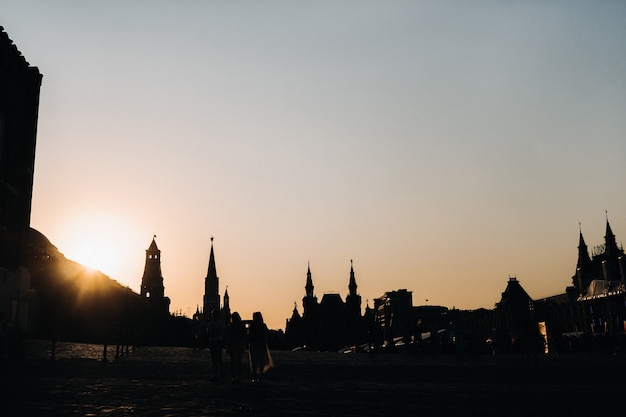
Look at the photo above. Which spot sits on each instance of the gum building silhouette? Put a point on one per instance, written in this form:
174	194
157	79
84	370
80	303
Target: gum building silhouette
599	286
591	311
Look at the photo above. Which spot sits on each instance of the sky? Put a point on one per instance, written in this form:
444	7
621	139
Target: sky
443	146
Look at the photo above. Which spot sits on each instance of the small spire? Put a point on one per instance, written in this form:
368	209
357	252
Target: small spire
212	272
309	281
609	239
352	282
583	254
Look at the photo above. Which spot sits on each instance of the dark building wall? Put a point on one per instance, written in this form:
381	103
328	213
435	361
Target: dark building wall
19	103
393	313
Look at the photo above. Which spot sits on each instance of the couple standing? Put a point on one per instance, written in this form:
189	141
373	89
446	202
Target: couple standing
235	338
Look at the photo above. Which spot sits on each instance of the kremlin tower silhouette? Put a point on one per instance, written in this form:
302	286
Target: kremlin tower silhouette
212	300
152	289
211	286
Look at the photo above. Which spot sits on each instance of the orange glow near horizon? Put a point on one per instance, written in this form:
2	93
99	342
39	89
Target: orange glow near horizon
99	241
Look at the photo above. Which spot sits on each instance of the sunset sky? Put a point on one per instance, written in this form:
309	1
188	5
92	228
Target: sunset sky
442	145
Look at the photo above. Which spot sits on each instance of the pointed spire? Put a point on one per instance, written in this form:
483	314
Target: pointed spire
609	239
212	272
353	300
294	314
309	281
226	306
153	246
352	284
583	253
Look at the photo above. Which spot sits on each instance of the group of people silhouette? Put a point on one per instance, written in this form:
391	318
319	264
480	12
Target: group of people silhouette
235	338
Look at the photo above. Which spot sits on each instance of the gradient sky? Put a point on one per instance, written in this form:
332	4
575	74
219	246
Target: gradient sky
442	145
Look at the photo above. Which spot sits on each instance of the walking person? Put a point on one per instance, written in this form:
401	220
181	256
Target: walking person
235	345
216	330
260	357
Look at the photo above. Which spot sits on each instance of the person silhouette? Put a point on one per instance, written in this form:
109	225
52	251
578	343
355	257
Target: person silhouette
235	344
260	357
216	330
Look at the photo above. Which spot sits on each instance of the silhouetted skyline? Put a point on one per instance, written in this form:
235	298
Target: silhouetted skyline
442	146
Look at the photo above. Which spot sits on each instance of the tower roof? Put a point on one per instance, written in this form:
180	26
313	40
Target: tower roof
153	246
583	253
514	293
610	244
294	313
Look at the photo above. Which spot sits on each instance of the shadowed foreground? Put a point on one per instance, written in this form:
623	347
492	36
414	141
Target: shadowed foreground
176	382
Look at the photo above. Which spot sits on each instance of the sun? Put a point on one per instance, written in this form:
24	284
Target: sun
96	253
102	242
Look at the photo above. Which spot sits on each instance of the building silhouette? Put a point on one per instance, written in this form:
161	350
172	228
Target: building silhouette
590	312
599	286
152	288
395	316
330	323
19	109
513	319
212	299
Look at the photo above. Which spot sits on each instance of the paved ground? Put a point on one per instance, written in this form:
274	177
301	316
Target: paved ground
177	382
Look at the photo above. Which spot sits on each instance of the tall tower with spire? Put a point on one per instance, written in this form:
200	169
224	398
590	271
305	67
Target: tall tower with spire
152	289
211	286
309	302
353	300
